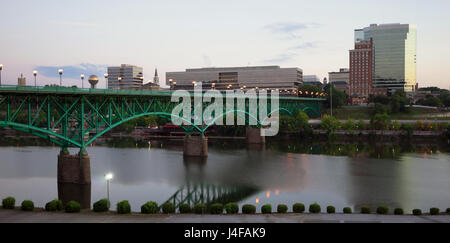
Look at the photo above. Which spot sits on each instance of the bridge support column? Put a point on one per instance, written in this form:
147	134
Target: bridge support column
74	178
195	146
254	136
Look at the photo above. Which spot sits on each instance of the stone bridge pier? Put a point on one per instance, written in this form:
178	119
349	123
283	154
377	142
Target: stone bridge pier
254	136
195	146
74	178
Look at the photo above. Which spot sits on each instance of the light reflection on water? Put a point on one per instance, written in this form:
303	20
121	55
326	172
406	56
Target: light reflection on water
280	174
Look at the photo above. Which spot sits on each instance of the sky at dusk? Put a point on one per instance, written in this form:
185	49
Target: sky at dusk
172	35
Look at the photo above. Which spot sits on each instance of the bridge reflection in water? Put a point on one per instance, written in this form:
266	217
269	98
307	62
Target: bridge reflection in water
196	190
193	194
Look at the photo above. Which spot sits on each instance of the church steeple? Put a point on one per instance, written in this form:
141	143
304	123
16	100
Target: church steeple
156	78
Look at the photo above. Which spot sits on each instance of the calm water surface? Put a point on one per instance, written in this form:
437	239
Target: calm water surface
340	175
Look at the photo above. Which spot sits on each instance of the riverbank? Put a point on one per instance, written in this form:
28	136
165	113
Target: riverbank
415	113
16	216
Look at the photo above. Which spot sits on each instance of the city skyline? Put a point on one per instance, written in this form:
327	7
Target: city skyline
86	37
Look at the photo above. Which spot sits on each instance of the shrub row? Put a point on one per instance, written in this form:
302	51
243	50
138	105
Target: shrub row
72	207
379	122
55	205
27	205
101	205
151	207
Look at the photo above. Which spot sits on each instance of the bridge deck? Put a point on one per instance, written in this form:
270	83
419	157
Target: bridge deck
8	89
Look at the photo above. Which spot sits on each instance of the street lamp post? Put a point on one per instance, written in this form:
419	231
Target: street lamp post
1	68
106	79
120	82
108	177
82	81
35	74
60	72
331	96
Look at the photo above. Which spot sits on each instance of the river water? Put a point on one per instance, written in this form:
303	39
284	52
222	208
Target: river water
341	175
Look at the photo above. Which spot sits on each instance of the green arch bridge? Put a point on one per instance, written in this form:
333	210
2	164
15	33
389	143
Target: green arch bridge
73	117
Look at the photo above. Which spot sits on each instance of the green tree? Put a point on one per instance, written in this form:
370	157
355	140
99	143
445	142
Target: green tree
361	125
339	97
350	125
430	101
329	123
445	98
380	122
396	125
399	101
430	89
381	109
288	123
302	120
382	99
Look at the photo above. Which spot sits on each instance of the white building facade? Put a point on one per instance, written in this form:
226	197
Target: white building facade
125	77
258	77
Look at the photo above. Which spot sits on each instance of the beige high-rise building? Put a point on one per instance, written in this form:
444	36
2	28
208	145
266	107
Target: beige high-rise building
125	77
340	79
256	77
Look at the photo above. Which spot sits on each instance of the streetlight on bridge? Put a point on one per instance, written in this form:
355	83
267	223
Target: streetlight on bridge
60	72
1	68
120	82
106	79
35	73
82	81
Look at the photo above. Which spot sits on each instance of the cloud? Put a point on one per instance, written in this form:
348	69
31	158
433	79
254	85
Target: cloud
290	30
306	45
73	71
78	24
286	27
281	58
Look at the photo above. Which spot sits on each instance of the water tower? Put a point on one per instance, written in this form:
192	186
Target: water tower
93	80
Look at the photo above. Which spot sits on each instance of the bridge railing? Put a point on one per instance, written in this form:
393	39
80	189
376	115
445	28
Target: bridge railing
76	90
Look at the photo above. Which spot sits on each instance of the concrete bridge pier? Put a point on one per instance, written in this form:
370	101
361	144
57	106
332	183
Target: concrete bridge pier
74	178
195	146
254	136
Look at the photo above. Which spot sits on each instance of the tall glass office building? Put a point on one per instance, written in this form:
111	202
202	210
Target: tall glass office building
394	55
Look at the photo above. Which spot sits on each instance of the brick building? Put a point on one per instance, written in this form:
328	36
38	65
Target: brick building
361	72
